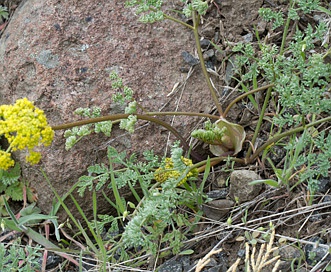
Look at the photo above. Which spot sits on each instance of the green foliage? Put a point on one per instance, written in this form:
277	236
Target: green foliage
155	219
74	135
17	258
4	12
158	214
123	93
222	136
12	188
134	171
8	177
211	134
301	79
150	11
270	15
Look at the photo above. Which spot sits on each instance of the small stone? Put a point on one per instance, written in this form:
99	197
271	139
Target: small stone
208	31
315	217
220	55
222	257
261	26
171	266
218	194
241	253
217	268
327	198
174	265
229	71
314	253
212	262
208	54
189	59
204	43
323	185
248	38
288	253
216	209
239	187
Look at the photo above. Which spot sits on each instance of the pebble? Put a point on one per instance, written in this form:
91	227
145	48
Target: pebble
324	185
189	59
314	253
204	43
248	38
239	187
218	194
216	209
208	54
175	265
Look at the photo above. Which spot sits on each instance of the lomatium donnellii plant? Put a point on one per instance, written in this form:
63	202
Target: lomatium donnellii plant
25	127
168	170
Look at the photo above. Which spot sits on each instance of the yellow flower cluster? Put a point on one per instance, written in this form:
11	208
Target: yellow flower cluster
25	127
167	171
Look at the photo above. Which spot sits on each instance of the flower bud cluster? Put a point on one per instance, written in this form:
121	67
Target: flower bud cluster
168	171
25	127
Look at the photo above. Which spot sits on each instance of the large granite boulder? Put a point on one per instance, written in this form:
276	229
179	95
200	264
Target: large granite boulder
59	53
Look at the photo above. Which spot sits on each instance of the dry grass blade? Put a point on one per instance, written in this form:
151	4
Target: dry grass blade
255	264
205	260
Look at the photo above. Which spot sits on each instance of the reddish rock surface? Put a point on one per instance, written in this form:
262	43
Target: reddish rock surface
59	54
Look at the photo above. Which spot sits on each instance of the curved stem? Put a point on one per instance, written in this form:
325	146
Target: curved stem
202	62
240	97
206	115
123	116
213	161
259	123
285	134
178	21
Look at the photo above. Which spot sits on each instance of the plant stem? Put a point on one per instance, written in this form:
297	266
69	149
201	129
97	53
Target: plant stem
285	32
202	62
178	21
285	134
259	123
206	115
123	116
240	97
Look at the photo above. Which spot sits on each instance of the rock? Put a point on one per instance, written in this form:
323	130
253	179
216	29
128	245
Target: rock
248	38
314	253
230	70
216	209
287	255
239	187
218	194
208	54
241	253
204	43
175	265
171	266
315	217
189	59
324	185
59	54
217	268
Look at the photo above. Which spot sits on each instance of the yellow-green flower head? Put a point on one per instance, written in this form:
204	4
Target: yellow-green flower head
5	160
168	171
25	127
